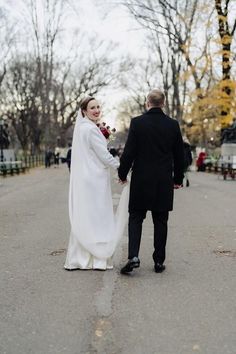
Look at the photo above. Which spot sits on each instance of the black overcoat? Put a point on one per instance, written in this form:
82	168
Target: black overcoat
154	150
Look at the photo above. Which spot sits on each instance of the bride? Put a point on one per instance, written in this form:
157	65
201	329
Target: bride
95	230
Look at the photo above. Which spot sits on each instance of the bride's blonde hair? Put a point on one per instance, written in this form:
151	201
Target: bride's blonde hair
84	104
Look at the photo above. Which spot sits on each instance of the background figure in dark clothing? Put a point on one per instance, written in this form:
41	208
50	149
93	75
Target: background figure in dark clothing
154	150
4	137
200	162
68	156
48	156
188	159
56	157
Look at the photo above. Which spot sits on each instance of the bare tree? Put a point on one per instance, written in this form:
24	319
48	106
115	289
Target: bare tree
22	102
160	71
45	39
128	108
173	21
75	83
138	79
171	66
185	64
47	92
7	35
19	98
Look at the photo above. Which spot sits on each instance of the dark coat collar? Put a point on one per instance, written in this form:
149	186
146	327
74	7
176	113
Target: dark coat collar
155	110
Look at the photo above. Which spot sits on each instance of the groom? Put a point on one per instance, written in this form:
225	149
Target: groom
154	151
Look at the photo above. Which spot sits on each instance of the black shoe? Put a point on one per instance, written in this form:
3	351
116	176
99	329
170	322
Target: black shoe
130	265
159	268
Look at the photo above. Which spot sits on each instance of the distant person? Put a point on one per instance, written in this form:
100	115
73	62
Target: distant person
188	159
68	156
48	156
4	137
56	157
200	162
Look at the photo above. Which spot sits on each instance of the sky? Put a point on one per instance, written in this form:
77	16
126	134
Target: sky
95	17
111	23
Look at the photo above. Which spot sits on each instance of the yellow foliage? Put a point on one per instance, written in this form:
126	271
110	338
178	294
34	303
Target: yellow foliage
222	18
227	39
226	120
212	104
185	75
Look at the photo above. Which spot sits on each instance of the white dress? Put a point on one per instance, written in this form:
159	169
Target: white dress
95	230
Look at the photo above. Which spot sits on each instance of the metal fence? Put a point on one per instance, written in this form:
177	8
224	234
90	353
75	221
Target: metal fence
20	165
226	170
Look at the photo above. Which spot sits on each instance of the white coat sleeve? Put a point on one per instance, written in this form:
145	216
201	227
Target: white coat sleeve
99	146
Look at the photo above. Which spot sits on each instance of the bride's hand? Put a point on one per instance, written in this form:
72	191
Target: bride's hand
122	182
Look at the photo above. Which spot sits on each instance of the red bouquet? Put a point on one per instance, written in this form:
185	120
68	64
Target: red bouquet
106	130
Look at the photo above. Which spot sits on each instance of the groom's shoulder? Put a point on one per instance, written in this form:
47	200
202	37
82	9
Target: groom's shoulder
172	121
137	119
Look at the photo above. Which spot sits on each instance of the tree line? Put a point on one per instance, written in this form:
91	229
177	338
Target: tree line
189	52
192	51
41	86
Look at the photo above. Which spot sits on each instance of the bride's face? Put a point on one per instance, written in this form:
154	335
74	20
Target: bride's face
93	110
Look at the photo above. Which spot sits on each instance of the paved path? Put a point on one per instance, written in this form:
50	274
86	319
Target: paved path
190	308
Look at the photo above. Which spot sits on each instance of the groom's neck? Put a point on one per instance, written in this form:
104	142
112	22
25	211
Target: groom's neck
150	107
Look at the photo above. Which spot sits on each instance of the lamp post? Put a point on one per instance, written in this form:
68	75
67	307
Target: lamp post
1	138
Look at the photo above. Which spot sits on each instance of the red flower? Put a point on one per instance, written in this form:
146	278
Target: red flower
105	132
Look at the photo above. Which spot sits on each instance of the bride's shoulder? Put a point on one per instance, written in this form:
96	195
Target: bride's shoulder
93	130
87	125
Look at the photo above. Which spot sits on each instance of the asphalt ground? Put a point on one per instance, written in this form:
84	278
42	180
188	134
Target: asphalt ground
190	308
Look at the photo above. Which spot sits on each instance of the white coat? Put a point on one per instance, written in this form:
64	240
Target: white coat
94	230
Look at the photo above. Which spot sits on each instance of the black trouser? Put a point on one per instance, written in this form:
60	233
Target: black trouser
160	219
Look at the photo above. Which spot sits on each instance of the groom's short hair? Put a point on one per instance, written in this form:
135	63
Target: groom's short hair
156	98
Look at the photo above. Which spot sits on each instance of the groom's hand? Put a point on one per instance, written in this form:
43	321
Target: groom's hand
122	182
178	186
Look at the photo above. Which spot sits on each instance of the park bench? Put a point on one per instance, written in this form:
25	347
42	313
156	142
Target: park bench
228	170
225	169
12	167
16	166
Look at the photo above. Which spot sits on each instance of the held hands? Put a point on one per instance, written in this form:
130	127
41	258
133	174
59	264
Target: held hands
122	182
178	186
